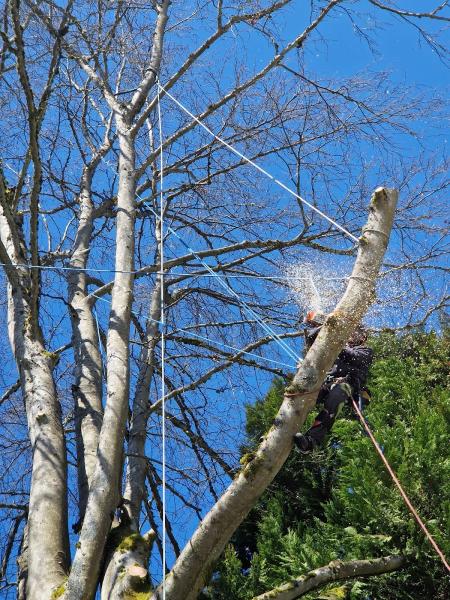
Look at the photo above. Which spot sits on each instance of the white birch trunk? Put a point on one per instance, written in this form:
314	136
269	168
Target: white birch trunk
190	570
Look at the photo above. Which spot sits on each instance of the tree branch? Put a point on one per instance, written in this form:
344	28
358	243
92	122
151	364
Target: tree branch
10	391
334	571
194	56
416	15
9	544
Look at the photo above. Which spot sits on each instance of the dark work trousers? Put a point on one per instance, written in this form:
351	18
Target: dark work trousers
333	400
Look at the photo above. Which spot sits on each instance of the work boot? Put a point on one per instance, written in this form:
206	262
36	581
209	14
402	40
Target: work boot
304	443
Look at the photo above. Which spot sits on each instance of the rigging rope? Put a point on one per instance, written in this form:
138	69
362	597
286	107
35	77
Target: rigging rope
400	488
204	338
264	325
255	165
223	283
276	338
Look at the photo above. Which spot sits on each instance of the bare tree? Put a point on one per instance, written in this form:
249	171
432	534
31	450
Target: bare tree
84	251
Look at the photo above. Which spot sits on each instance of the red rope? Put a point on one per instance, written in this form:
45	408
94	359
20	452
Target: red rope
401	490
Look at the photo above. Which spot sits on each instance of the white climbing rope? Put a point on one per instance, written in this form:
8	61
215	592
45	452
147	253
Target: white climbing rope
162	326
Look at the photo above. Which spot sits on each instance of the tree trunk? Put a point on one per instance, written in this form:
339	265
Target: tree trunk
48	546
48	551
127	556
103	494
190	570
137	463
126	560
22	566
87	388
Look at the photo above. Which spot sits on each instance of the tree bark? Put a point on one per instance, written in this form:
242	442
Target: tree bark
334	571
190	570
127	559
22	566
87	388
48	545
137	463
48	551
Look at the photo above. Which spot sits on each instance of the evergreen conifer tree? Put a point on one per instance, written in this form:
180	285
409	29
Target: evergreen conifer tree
339	503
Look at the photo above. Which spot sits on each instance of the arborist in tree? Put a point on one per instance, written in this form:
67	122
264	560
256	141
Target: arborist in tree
345	381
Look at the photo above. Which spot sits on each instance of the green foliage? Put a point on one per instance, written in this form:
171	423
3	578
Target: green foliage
335	593
340	503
